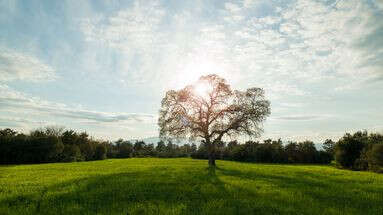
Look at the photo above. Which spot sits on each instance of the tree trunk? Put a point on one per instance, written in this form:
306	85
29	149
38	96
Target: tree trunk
211	152
211	160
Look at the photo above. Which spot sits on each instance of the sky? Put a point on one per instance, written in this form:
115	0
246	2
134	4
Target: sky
104	66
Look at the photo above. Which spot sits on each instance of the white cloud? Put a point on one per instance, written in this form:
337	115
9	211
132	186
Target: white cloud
314	42
296	50
316	137
285	45
13	102
291	50
302	117
379	4
135	29
251	3
328	43
231	7
270	20
20	66
136	33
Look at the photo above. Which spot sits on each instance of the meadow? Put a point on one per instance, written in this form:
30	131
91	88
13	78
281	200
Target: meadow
186	186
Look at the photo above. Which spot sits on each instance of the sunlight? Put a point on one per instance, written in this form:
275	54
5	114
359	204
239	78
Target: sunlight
191	70
202	89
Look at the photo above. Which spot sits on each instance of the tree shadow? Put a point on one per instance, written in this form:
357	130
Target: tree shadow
152	191
325	192
166	190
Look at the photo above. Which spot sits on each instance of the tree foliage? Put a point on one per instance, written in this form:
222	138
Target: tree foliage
50	144
215	113
360	151
268	151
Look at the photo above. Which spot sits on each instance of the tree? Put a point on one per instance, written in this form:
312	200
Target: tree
291	150
7	132
161	149
193	148
100	152
210	110
53	130
349	148
306	152
125	149
139	148
375	157
69	137
329	146
71	153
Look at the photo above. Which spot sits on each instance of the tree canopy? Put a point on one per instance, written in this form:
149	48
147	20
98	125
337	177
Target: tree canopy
210	110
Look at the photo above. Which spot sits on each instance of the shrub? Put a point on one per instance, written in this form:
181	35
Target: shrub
360	151
71	153
349	148
374	157
100	152
201	152
306	152
291	150
323	157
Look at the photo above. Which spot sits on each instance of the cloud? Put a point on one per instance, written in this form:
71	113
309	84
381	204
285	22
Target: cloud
329	44
135	29
302	51
315	136
318	136
301	117
233	8
312	41
136	33
14	102
20	66
101	117
22	123
280	46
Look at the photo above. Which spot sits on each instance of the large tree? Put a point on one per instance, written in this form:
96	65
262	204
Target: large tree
210	110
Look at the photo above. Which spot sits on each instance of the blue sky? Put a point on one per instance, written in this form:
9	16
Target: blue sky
103	66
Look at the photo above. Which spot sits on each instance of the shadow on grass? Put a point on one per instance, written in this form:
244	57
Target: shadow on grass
154	191
164	190
328	192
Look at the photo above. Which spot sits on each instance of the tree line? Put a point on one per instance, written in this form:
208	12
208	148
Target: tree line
127	149
358	151
268	151
51	144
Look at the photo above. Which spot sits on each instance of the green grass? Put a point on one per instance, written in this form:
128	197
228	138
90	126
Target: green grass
186	186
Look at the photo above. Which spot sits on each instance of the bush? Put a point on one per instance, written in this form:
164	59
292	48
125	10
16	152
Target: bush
100	152
349	148
306	152
201	152
71	153
375	157
360	151
324	157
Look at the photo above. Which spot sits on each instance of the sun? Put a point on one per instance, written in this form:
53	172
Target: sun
186	71
202	89
191	70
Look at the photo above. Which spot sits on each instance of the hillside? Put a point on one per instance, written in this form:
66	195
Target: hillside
186	186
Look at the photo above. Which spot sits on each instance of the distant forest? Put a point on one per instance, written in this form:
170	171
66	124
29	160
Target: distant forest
358	151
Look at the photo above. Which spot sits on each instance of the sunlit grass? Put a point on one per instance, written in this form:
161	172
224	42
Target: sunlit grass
186	186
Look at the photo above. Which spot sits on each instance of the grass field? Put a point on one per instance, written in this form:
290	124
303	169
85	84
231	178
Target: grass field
186	186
